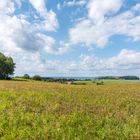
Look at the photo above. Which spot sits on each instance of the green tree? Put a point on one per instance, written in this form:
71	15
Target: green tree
7	66
26	76
37	78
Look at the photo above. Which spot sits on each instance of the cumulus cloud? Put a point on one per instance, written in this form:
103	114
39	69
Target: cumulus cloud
74	3
49	17
25	39
25	35
136	7
100	25
126	62
40	6
99	9
126	59
18	32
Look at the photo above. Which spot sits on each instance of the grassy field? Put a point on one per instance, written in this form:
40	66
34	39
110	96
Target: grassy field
106	82
50	111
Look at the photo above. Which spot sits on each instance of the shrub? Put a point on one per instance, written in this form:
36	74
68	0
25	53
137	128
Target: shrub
100	83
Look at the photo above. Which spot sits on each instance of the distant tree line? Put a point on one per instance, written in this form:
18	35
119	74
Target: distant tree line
130	78
47	79
118	78
35	77
65	80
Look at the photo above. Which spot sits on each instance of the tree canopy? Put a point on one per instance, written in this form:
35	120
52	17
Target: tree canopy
7	66
26	76
37	78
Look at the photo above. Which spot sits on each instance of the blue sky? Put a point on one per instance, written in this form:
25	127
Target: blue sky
71	37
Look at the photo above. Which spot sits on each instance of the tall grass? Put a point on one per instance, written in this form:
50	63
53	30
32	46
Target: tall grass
41	111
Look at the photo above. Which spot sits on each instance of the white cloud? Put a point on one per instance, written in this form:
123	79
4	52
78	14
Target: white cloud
98	33
90	35
125	60
50	22
17	32
136	7
6	7
24	39
58	6
99	9
124	63
18	3
40	6
74	3
28	42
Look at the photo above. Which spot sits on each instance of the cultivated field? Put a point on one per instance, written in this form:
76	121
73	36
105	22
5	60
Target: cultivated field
41	111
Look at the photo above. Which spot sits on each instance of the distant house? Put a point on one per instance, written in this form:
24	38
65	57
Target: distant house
69	82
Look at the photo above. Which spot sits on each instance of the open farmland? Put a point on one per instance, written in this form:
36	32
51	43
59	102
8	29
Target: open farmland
41	111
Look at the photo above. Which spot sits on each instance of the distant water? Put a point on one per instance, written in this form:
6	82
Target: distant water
75	78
